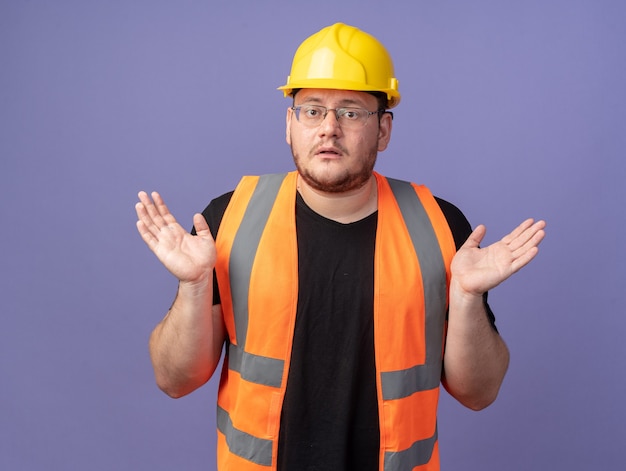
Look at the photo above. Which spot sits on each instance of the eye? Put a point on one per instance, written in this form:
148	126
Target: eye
351	114
311	112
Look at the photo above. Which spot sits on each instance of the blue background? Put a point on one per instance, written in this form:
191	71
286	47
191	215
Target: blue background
509	110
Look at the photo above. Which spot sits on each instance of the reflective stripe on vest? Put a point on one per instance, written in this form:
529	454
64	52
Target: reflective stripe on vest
403	383
255	368
417	455
395	385
245	246
256	450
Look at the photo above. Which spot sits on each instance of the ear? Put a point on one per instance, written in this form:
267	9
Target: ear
288	125
384	131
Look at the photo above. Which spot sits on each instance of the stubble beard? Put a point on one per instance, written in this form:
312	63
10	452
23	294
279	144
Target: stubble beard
341	183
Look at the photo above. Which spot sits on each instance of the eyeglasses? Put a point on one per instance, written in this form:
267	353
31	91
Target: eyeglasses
314	115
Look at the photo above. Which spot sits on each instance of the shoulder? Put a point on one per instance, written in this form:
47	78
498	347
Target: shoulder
459	225
461	229
214	212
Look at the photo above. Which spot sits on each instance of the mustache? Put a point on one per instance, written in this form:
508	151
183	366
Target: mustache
333	144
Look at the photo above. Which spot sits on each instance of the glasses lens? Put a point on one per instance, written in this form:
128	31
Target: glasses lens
313	115
352	116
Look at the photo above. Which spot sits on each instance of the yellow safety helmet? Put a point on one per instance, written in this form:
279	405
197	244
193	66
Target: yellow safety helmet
345	58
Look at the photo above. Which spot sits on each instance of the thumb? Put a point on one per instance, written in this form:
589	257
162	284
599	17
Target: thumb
476	237
202	228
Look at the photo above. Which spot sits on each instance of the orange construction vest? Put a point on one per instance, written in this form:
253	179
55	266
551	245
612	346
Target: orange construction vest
257	272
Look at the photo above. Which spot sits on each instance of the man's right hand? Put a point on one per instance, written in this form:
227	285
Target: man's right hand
189	258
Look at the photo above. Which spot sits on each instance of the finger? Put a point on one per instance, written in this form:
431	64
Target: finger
143	197
147	204
515	233
476	237
142	212
145	215
154	228
533	241
202	227
146	235
162	209
154	211
524	259
157	215
530	249
528	235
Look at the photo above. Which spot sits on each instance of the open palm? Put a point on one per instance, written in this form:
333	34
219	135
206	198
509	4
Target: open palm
477	270
189	258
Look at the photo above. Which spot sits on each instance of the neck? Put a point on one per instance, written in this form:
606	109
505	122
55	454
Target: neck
344	207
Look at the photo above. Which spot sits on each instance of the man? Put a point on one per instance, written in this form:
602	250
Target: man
342	298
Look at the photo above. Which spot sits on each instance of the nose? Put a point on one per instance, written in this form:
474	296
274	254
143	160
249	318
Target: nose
330	123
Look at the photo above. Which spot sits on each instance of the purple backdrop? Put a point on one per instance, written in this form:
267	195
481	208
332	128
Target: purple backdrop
509	110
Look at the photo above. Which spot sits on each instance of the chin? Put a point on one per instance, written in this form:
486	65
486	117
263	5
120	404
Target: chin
338	184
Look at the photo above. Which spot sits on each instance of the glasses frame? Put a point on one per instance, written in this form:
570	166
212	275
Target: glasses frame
296	110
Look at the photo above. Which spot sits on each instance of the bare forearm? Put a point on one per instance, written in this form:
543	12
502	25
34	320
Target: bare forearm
185	346
476	358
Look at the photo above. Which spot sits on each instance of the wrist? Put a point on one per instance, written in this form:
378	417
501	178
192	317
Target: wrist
461	295
197	288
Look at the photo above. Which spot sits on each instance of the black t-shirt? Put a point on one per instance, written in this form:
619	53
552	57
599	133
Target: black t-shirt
329	418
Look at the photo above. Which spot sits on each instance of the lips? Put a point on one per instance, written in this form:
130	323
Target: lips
328	151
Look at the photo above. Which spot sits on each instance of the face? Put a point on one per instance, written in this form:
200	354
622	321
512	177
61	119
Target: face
331	159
